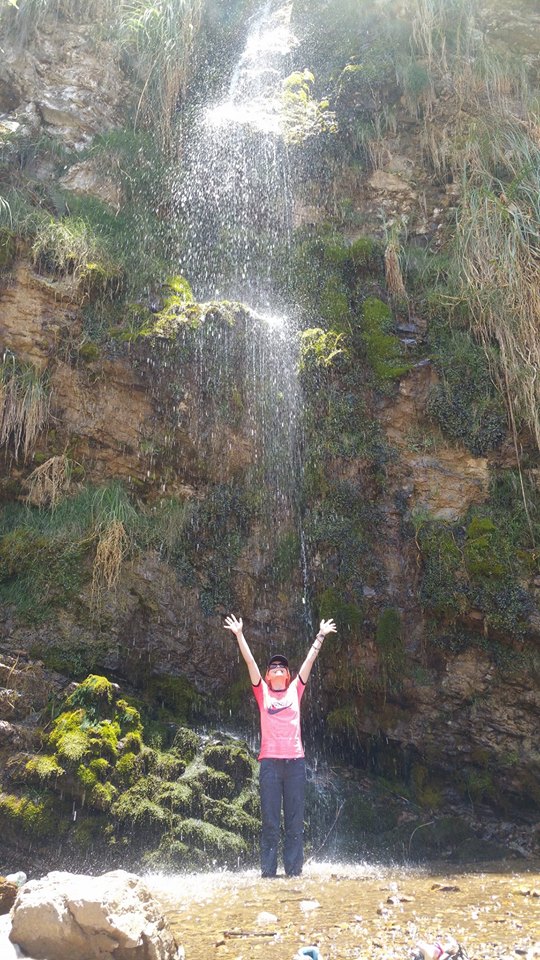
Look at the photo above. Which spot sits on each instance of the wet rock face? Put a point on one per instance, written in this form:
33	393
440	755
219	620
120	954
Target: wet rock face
139	412
474	715
445	480
38	314
146	414
40	323
64	83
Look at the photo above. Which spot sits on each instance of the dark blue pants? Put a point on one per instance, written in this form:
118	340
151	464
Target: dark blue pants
282	781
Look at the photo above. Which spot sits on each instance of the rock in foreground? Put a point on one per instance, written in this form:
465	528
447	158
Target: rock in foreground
66	916
8	892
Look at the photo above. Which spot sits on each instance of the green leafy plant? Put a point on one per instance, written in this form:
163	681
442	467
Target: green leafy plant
465	405
303	115
70	246
321	347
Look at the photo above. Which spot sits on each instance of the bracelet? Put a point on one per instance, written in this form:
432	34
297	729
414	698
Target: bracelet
320	636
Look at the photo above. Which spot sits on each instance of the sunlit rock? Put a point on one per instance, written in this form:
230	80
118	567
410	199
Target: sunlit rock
77	91
70	917
265	917
515	26
8	703
8	892
384	182
86	179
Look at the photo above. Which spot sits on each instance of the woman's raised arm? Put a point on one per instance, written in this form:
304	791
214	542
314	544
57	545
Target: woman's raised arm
327	626
236	627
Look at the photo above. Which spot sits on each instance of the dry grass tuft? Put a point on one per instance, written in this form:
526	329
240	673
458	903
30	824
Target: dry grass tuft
490	146
497	241
113	517
49	482
159	36
394	276
392	262
24	406
111	550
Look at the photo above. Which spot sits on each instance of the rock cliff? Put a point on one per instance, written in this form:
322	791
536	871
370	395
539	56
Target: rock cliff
138	480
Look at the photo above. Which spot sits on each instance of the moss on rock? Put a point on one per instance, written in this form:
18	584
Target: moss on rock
383	349
232	760
212	840
35	819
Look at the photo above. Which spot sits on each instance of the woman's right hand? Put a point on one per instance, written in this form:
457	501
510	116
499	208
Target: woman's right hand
234	625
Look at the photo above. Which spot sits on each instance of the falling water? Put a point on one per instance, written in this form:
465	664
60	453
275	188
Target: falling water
234	193
234	199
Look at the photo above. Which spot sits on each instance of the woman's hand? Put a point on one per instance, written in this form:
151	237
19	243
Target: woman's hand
327	626
234	625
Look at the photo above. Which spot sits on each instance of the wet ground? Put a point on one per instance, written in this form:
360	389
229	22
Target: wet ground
355	912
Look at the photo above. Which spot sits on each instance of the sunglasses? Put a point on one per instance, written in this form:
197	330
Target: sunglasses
277	666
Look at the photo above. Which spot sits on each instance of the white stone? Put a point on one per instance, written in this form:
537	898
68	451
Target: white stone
265	917
307	906
19	878
67	916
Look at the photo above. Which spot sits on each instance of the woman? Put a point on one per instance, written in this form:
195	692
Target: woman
282	774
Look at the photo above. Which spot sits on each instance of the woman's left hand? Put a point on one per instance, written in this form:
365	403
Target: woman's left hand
327	626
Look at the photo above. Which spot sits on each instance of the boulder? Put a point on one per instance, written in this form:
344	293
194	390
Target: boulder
66	916
8	892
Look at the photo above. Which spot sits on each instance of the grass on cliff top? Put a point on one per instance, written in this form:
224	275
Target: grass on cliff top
49	554
487	141
158	40
488	279
110	252
497	246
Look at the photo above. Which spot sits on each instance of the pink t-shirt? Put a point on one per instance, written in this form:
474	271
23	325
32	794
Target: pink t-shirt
281	737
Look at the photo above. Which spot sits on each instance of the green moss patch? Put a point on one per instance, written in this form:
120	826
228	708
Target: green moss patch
465	404
383	349
33	819
391	648
234	761
481	564
132	797
213	840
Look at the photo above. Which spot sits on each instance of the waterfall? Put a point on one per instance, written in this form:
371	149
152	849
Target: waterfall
233	197
233	192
